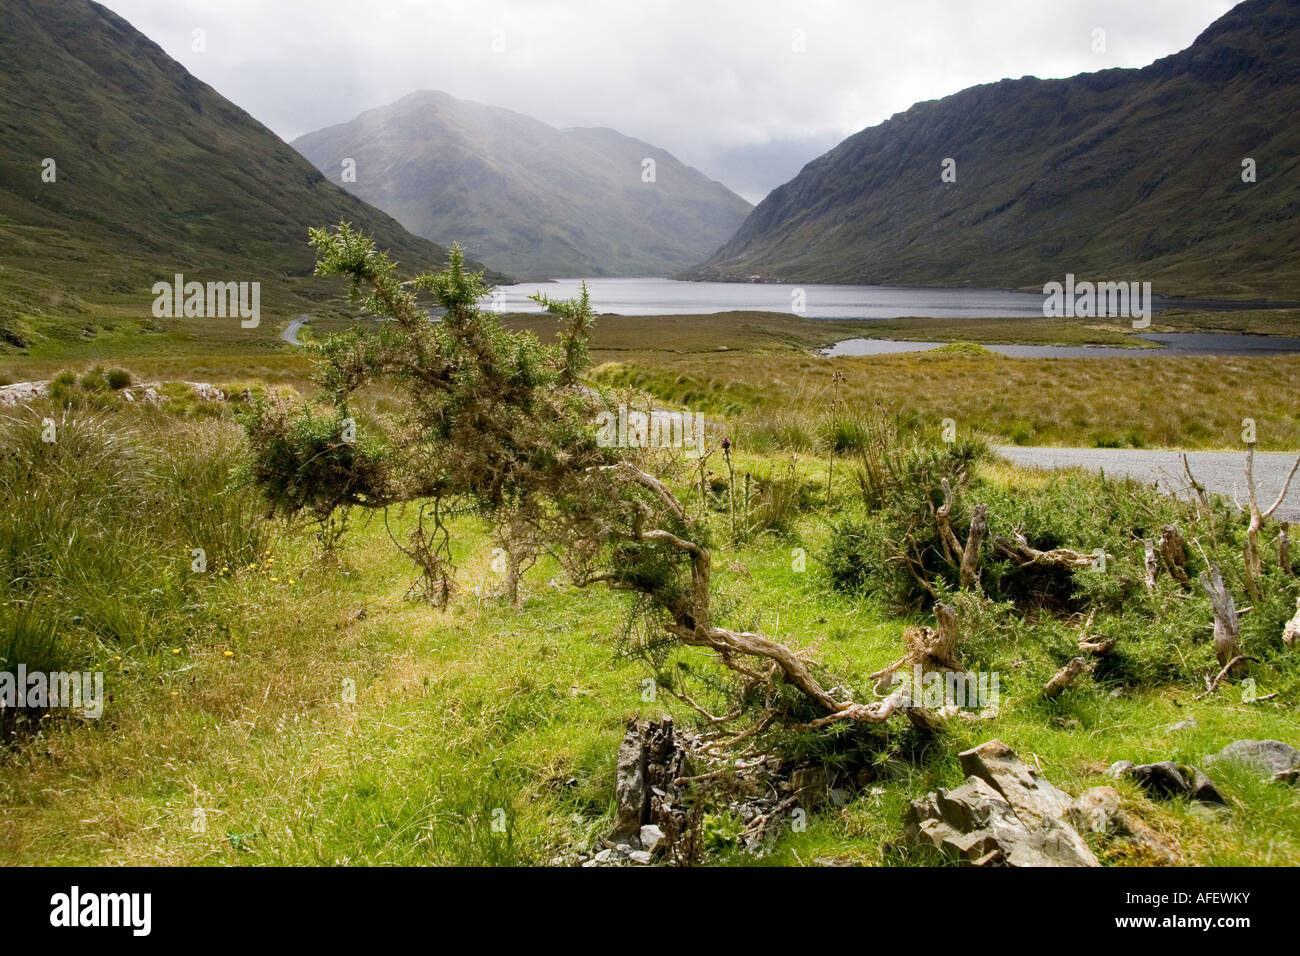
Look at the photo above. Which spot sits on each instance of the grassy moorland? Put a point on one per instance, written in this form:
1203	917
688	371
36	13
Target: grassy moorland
291	705
757	369
231	736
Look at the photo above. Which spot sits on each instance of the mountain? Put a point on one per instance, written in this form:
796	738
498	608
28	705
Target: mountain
526	197
1122	174
155	173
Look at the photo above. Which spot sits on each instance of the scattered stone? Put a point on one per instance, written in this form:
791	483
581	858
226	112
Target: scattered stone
1003	814
1188	724
641	857
651	836
1098	811
1268	758
1167	779
1119	768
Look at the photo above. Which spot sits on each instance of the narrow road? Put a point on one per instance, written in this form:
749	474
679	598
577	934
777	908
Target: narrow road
290	333
1219	471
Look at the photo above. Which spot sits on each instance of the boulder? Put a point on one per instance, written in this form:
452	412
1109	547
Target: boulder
1004	813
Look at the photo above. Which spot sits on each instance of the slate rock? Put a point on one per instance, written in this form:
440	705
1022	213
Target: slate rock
1167	779
1098	811
1004	813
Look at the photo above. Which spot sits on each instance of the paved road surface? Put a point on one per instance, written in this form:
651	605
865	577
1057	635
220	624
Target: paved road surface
1223	472
290	333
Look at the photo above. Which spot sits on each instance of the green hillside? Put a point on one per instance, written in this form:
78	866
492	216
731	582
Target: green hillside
1120	175
155	173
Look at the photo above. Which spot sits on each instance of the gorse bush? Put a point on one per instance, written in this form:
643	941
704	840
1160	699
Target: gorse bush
1092	533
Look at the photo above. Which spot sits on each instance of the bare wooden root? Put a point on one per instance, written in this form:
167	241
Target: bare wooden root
1292	629
1251	554
1065	677
1227	626
1152	565
1020	551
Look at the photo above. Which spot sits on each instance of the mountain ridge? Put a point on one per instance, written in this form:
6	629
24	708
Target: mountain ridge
1057	176
154	173
528	197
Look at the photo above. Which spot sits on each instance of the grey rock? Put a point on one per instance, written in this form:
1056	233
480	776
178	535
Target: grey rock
1168	779
651	757
651	836
1266	757
629	785
1119	768
1098	811
640	856
1188	724
1003	814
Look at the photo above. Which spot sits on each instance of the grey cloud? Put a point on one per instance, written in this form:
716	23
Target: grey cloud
719	84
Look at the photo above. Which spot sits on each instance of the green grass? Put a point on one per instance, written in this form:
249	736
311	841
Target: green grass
228	689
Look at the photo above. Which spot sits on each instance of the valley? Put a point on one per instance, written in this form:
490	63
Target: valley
454	484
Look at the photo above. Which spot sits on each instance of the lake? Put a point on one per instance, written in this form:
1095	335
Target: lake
657	296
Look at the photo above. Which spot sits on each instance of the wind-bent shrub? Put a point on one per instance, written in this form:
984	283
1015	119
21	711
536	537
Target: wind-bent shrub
494	422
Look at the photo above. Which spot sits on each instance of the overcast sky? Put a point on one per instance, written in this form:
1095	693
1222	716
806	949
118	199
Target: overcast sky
746	90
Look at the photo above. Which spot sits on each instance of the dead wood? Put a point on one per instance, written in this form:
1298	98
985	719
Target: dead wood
1065	677
1173	550
1020	551
1227	626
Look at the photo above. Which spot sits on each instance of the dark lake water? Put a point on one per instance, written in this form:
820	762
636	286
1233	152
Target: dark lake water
669	297
1172	344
